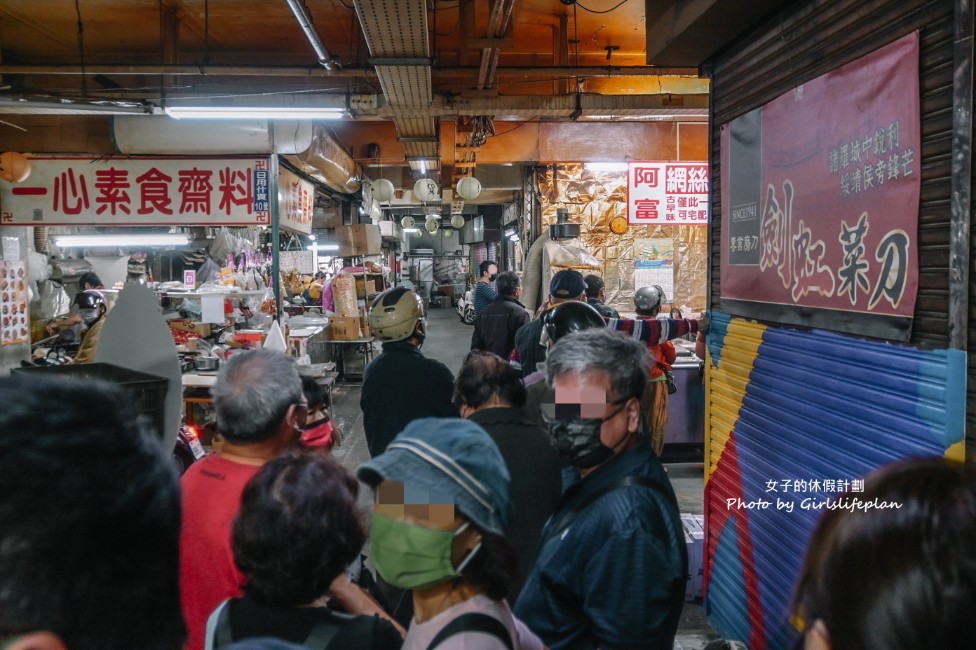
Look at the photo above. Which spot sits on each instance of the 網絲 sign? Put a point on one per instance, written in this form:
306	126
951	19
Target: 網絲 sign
667	193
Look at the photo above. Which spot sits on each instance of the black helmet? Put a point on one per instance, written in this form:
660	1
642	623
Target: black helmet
571	316
89	299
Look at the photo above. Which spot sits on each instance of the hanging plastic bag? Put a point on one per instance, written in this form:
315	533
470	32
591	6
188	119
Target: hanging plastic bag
52	300
275	339
208	271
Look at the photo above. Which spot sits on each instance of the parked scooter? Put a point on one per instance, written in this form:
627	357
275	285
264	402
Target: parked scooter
465	308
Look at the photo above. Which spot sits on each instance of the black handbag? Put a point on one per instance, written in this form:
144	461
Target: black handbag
669	377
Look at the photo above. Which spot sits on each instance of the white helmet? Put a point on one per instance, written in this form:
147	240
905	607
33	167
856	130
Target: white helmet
394	314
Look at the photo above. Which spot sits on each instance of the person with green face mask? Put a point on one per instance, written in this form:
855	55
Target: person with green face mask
438	526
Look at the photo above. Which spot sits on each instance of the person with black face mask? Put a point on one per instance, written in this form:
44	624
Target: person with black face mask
91	312
618	515
485	291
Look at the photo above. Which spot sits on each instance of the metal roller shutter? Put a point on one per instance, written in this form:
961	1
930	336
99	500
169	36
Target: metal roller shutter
786	404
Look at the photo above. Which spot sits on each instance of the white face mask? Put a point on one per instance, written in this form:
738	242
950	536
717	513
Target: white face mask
88	316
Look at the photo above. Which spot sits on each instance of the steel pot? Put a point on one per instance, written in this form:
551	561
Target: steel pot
206	363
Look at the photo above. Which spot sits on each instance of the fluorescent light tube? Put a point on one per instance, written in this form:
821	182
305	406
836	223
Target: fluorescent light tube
606	166
411	230
253	112
94	241
325	247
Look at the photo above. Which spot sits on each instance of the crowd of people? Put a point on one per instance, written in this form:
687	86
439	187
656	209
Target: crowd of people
519	505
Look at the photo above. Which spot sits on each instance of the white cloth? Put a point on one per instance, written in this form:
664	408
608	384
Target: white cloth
420	635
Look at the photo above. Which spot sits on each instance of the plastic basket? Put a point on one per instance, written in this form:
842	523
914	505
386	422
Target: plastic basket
148	391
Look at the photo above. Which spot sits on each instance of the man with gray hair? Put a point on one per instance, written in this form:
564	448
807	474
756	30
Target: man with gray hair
260	413
618	516
495	327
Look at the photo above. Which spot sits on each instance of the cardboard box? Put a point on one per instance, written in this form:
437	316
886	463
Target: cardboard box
249	338
358	239
694	529
344	328
200	329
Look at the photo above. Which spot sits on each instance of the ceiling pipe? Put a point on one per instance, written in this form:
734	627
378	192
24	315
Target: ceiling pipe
460	72
298	8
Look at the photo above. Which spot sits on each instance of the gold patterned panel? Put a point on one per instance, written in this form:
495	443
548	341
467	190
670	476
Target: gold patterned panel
593	199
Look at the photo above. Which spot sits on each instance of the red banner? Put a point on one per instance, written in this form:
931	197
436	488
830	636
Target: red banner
820	200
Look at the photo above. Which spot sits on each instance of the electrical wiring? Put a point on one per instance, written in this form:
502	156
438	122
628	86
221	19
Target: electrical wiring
594	11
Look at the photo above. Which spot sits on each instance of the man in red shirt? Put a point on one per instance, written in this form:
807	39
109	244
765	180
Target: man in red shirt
260	413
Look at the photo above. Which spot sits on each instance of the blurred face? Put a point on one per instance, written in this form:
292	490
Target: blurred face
415	505
585	401
492	272
427	509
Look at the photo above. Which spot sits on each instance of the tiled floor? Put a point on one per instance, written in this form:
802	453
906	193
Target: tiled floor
448	340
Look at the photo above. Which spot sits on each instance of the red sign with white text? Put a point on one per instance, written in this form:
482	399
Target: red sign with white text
820	199
139	192
667	193
297	202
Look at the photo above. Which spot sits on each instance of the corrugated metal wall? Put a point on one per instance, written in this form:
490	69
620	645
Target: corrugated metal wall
787	405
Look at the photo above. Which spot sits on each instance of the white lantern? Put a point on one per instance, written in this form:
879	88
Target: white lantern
408	222
468	188
382	190
426	190
457	221
448	233
418	234
433	223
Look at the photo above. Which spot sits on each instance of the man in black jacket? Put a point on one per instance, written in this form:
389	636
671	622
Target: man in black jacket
495	327
596	293
401	385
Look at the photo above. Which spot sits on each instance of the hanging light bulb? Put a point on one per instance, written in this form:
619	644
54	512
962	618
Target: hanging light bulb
433	223
419	233
457	221
448	233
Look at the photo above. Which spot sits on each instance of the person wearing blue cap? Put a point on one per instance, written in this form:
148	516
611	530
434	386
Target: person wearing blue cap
438	529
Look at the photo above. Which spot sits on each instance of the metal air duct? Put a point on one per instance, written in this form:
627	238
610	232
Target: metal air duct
304	144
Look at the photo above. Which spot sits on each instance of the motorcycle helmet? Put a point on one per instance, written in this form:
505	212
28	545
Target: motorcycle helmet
649	298
571	316
394	314
89	299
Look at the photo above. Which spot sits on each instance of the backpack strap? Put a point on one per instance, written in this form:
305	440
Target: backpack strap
219	632
473	622
321	635
570	516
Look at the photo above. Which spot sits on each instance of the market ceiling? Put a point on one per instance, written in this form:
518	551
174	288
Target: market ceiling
408	68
